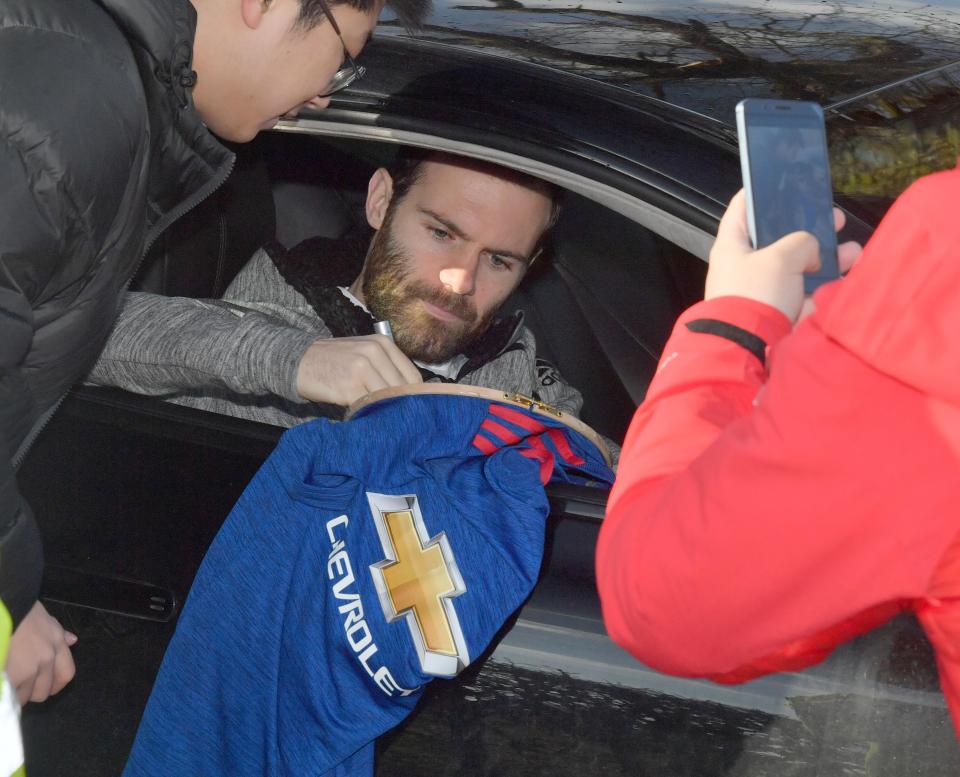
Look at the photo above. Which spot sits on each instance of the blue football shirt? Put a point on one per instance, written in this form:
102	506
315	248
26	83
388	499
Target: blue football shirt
364	559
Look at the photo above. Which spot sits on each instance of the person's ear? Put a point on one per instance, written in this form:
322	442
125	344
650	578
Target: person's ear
253	11
379	194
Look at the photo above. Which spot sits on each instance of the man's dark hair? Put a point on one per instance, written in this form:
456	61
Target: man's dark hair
410	13
407	170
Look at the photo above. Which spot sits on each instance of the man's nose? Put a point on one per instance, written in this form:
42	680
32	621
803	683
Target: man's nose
460	276
315	103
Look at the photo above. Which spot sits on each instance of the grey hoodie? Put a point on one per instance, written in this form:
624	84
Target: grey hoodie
239	355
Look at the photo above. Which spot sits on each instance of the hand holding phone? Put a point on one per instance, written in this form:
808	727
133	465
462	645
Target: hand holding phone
786	177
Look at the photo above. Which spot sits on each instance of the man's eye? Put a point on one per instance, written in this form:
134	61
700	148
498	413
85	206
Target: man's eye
439	234
499	263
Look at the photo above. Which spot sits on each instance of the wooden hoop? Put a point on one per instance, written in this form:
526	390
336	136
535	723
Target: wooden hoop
481	392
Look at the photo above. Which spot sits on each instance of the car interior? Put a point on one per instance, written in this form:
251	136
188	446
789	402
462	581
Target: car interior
610	289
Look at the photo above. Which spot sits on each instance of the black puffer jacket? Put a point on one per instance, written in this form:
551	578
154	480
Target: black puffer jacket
100	150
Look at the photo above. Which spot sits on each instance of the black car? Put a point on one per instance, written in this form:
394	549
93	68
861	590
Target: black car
629	107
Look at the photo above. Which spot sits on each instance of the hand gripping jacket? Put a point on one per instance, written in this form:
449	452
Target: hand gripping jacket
364	559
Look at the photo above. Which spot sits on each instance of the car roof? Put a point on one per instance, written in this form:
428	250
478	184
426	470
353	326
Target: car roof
705	56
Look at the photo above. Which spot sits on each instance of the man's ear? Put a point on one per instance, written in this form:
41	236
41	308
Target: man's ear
253	11
379	194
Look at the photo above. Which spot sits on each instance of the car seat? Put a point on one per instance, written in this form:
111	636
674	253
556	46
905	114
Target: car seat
201	253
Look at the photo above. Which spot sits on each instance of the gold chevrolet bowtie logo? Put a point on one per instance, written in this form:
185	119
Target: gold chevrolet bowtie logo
417	581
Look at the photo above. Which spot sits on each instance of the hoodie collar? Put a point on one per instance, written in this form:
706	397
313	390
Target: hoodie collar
897	310
186	159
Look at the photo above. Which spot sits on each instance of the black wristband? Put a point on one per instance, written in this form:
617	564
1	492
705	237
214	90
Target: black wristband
747	340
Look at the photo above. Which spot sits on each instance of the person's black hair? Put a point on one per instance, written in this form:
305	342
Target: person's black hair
407	169
410	13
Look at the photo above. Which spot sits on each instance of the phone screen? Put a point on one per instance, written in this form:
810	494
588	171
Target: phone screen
787	176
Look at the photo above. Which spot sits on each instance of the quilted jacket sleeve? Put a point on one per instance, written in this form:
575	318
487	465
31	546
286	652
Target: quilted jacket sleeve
23	227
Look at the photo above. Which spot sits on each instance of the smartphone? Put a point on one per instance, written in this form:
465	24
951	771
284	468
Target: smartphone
786	177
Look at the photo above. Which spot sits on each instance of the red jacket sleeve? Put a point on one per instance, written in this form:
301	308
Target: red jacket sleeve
752	514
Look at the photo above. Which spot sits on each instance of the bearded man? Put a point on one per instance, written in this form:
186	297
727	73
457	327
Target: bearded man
292	338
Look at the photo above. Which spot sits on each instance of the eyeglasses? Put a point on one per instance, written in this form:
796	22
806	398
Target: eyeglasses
351	71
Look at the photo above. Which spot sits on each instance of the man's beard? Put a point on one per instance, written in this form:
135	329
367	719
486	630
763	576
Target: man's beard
391	295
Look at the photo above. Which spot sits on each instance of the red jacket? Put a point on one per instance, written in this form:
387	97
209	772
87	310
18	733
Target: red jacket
763	514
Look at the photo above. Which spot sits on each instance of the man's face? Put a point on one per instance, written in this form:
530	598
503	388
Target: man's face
448	255
266	67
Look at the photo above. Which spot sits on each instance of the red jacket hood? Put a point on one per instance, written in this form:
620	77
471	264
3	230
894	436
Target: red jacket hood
899	308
